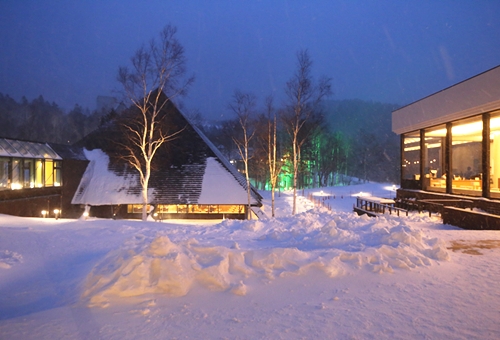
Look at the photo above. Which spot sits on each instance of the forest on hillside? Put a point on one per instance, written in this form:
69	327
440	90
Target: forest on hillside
353	138
41	121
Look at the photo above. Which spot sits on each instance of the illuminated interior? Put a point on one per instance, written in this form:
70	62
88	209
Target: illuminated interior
190	208
466	157
495	155
411	161
467	136
28	165
433	158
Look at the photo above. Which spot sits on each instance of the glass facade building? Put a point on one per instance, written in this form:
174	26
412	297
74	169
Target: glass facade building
450	141
28	165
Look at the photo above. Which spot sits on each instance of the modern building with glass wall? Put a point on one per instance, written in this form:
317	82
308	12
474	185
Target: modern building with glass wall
450	140
38	179
28	165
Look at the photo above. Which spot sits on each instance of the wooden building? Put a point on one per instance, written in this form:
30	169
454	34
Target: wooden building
190	177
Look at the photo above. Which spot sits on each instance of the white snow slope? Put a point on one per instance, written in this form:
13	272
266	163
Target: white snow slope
317	275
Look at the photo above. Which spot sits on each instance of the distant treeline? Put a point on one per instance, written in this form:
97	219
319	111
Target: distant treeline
41	121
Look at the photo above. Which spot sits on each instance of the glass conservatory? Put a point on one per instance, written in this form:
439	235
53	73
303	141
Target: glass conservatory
28	165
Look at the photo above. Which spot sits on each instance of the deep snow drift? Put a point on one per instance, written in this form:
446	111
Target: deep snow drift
319	274
334	243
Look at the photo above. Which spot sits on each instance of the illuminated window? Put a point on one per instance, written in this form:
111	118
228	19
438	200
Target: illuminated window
39	173
49	173
16	174
200	208
495	155
232	209
4	173
57	173
466	149
411	156
136	208
28	173
433	159
166	208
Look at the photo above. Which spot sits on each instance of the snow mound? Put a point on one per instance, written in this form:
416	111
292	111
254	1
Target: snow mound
334	243
9	258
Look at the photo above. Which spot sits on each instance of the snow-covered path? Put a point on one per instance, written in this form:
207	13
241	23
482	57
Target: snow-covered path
319	274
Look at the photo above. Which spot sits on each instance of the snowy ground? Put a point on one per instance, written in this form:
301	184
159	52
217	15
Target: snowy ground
320	274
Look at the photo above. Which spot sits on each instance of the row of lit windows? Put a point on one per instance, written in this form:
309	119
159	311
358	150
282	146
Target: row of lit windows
19	173
465	158
190	208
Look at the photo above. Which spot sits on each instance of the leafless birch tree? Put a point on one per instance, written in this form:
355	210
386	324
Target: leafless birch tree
243	105
155	77
303	96
271	146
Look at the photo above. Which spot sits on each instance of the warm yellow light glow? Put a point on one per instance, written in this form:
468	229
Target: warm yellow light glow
16	186
495	123
411	140
433	145
467	129
412	148
436	133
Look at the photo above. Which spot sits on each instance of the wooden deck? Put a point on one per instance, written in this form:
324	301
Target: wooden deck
376	206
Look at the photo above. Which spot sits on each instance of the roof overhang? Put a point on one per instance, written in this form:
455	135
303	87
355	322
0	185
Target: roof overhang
470	97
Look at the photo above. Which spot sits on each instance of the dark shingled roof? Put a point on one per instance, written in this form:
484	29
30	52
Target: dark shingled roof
179	165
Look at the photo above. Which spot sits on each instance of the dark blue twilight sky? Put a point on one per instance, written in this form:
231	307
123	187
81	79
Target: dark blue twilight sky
389	51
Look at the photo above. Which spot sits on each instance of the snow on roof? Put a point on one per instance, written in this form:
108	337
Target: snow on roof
220	187
225	165
100	186
229	167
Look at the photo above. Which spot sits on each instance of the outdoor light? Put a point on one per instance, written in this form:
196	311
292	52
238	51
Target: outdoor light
16	186
85	214
44	213
56	213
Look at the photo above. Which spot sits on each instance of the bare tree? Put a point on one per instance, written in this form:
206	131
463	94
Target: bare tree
243	105
270	144
303	98
156	76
